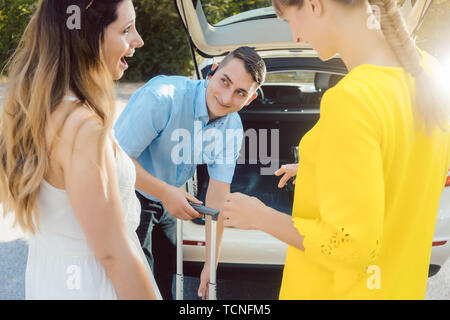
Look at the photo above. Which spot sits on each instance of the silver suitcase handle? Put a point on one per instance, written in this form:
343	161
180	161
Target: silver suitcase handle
214	214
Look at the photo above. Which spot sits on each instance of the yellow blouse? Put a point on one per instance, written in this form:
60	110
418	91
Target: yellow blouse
367	193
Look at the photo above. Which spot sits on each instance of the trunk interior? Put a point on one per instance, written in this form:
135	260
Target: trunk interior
248	178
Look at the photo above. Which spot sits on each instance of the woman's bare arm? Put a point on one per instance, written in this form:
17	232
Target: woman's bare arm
101	215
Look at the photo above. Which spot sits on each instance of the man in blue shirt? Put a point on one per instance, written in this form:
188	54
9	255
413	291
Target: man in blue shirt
168	127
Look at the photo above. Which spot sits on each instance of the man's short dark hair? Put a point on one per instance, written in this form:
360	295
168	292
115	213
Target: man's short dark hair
253	63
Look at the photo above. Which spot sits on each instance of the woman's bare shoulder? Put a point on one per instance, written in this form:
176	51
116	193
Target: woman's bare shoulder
80	128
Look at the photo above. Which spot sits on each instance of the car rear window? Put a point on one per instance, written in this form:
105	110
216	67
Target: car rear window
218	10
303	79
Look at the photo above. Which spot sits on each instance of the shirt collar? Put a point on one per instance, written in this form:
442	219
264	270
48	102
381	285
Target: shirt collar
200	108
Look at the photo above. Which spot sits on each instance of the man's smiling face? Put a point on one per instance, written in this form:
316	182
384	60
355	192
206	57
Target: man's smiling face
229	89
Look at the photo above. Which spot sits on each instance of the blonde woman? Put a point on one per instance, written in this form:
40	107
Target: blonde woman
373	167
62	174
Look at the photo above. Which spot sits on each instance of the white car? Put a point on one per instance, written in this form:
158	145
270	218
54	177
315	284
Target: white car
287	107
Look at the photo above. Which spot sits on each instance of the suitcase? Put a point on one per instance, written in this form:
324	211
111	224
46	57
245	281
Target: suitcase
214	214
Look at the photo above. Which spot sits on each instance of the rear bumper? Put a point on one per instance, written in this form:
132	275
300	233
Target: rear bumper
440	254
239	247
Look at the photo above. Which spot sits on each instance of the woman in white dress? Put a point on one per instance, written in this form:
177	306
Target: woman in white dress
61	171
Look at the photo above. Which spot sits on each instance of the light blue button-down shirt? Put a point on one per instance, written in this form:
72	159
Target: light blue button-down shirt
165	126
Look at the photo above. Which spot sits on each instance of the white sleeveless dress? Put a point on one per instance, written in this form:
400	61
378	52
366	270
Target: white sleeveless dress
61	264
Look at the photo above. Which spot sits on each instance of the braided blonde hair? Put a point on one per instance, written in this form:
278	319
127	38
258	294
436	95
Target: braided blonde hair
432	100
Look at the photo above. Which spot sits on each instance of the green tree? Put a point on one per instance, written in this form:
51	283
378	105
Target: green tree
217	10
166	48
14	17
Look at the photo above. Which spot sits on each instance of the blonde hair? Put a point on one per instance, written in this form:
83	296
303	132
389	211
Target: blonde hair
432	100
50	60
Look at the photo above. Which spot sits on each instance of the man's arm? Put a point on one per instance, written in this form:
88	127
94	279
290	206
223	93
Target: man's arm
148	183
174	199
215	198
143	119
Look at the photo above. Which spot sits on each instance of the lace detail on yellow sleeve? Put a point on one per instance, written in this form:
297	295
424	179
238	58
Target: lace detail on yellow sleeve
335	241
336	249
341	237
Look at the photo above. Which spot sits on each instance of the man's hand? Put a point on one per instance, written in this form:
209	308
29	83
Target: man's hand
288	171
174	199
176	202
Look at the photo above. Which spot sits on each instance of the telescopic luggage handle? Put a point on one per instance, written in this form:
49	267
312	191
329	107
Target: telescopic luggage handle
214	214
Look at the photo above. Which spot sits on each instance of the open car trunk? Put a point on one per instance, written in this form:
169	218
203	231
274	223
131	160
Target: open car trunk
281	108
